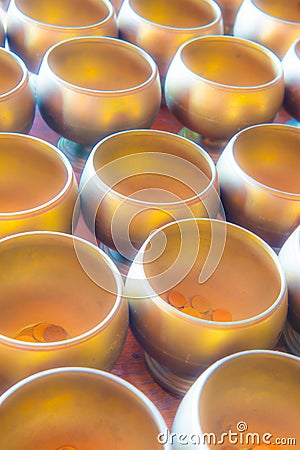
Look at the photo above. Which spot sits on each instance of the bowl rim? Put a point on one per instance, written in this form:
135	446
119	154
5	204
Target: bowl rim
68	184
152	296
275	18
197	388
24	80
138	395
175	29
273	59
155	133
107	40
83	337
23	16
253	181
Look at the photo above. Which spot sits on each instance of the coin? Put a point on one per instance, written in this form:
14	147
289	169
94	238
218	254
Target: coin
202	304
38	331
55	333
177	299
191	312
221	315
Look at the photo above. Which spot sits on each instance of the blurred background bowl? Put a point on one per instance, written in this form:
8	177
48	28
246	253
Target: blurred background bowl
38	186
229	10
61	305
291	70
225	84
33	26
161	26
274	24
231	270
289	257
17	102
78	408
259	178
253	395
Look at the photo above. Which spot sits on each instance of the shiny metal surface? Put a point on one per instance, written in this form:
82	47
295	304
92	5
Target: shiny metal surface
66	281
218	85
274	24
33	26
90	87
259	178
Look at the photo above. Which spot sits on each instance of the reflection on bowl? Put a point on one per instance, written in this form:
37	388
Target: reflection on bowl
78	408
291	70
248	400
61	304
260	183
17	103
239	274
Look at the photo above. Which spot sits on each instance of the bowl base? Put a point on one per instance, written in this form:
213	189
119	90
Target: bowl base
167	379
209	144
76	153
123	264
292	339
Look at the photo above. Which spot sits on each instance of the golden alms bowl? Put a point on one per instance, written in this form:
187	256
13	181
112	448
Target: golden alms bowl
61	304
274	24
138	180
17	102
234	290
218	85
229	10
33	26
90	87
161	26
291	70
76	408
289	257
249	400
38	186
259	179
2	31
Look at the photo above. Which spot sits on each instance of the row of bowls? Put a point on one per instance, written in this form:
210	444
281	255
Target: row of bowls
228	407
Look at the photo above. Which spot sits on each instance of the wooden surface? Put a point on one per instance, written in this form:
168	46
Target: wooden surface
130	365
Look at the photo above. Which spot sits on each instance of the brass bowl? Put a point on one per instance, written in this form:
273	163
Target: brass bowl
225	84
274	24
2	31
33	26
78	408
90	87
161	26
231	269
291	70
116	4
289	257
17	103
249	400
259	179
61	305
38	186
138	180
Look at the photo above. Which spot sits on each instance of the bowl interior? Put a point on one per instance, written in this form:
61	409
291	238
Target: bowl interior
270	156
11	73
223	60
242	276
95	64
49	278
74	410
64	13
152	167
288	11
31	173
261	390
176	13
